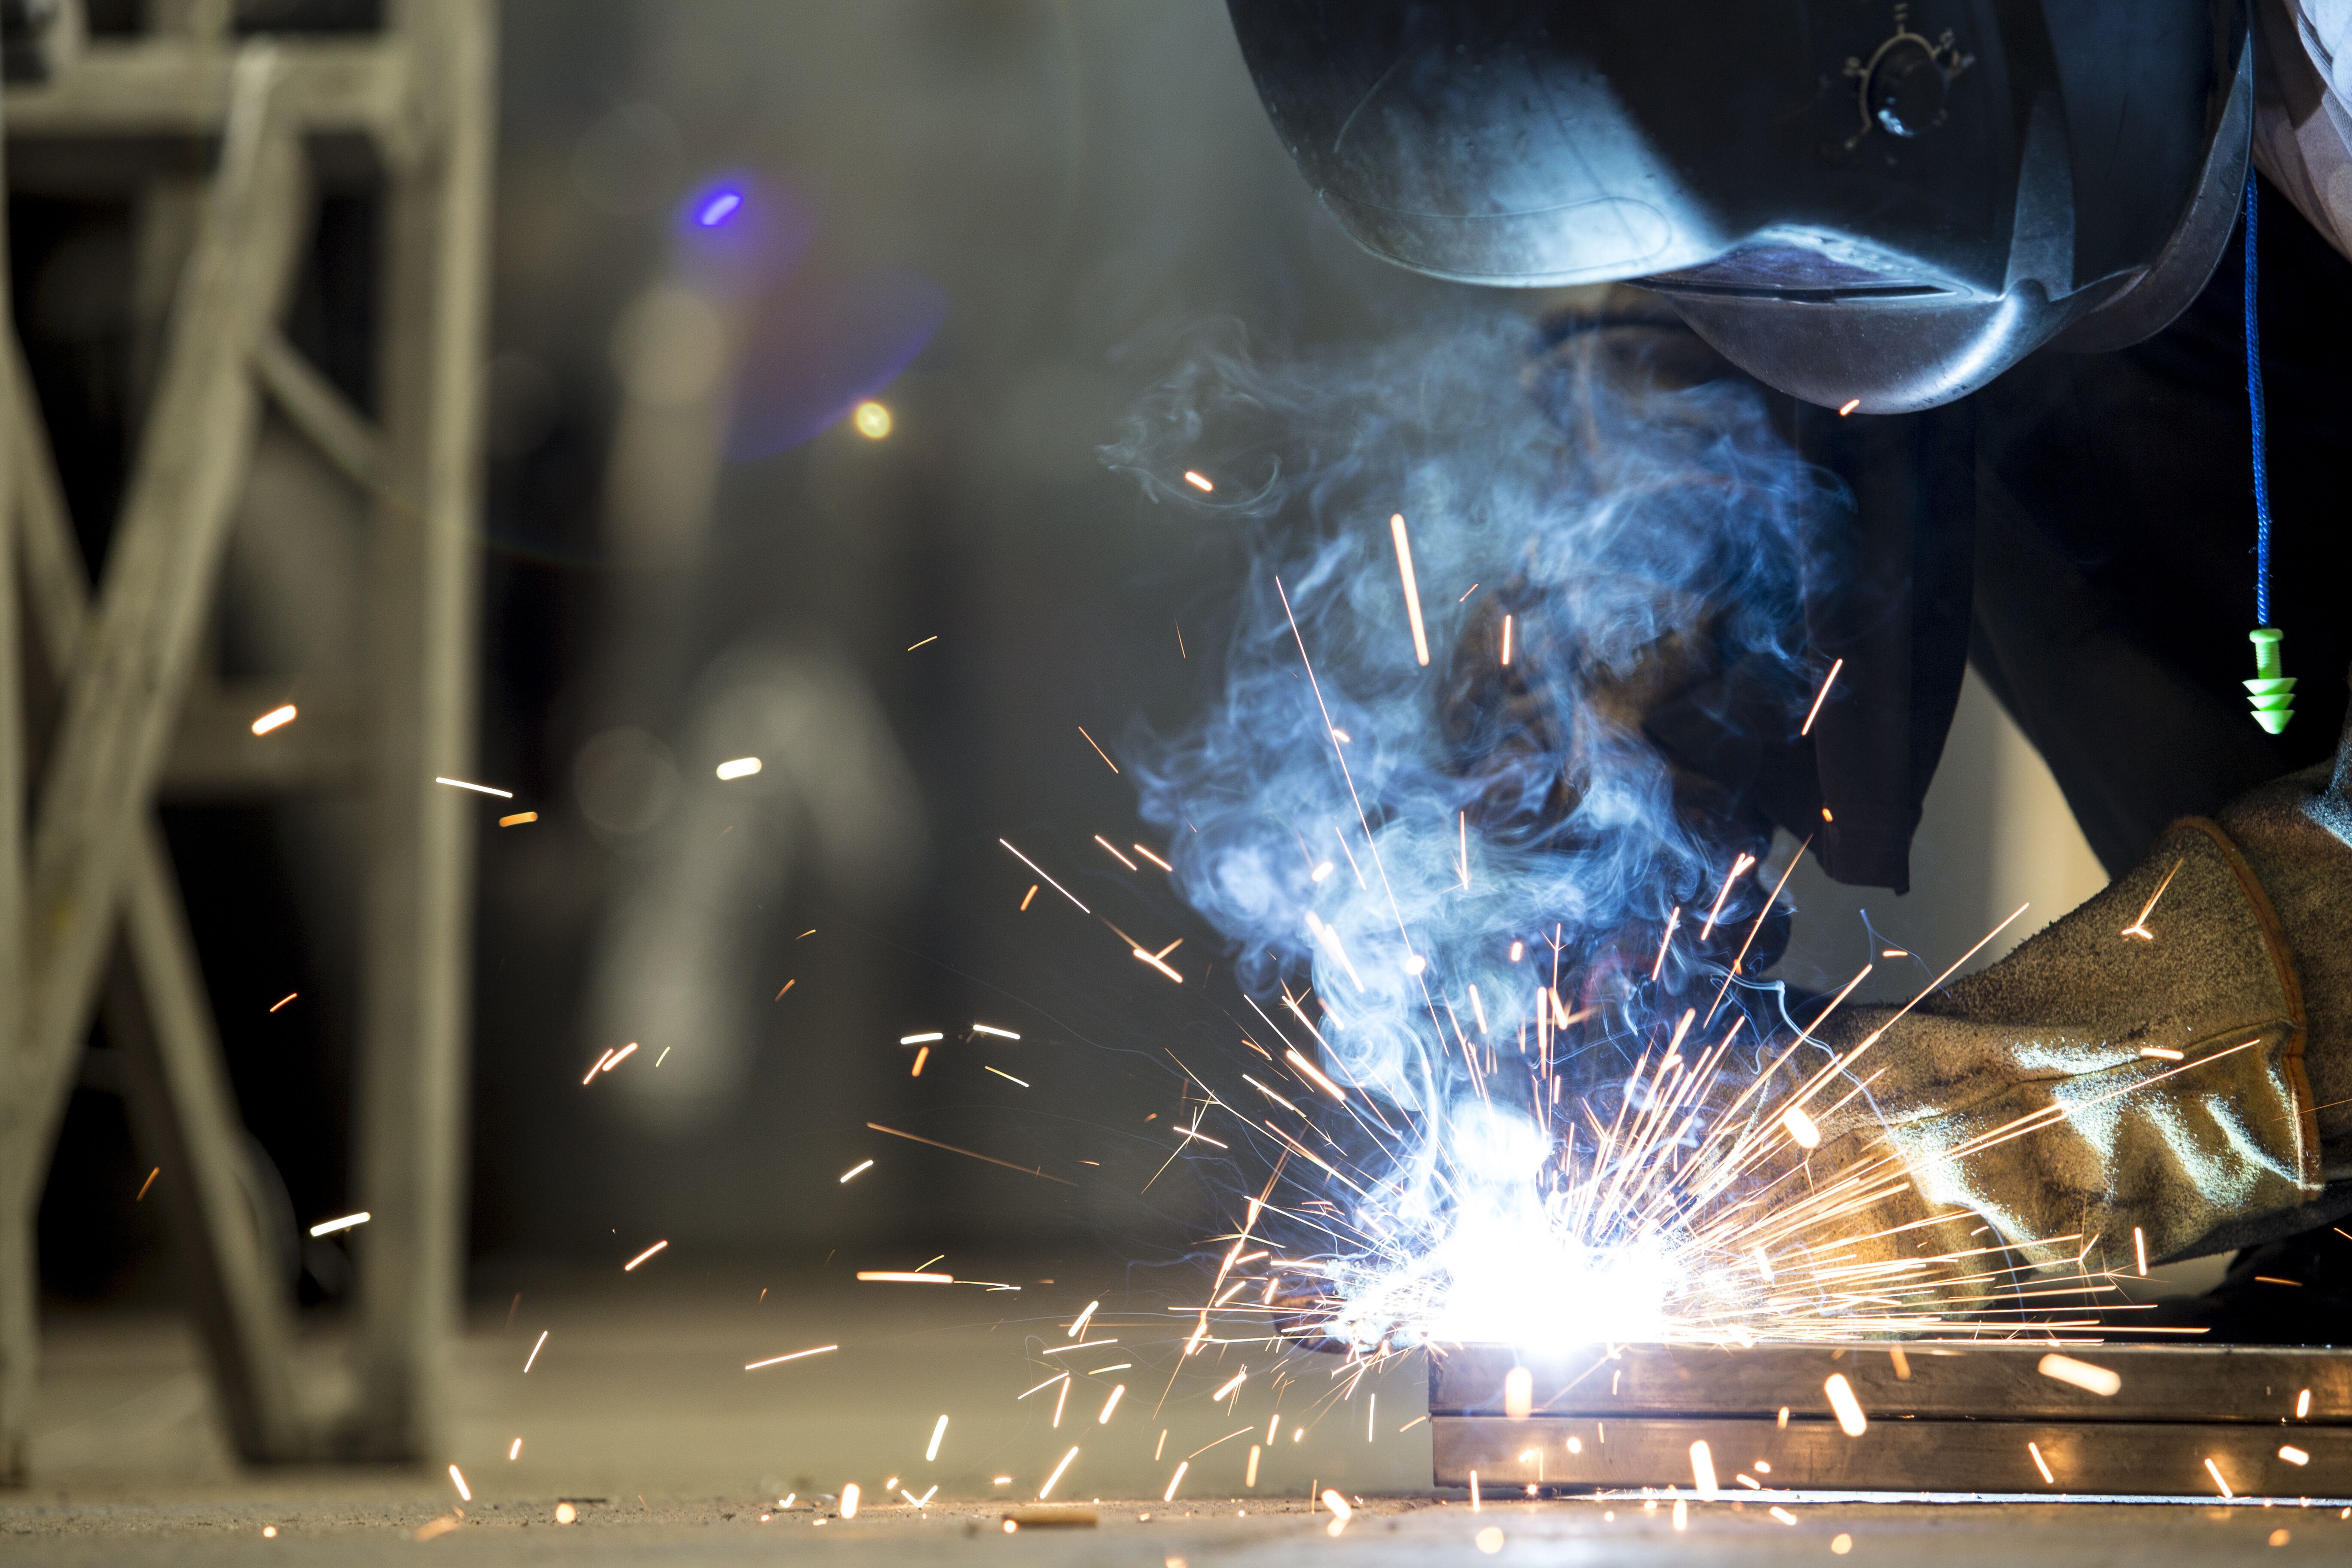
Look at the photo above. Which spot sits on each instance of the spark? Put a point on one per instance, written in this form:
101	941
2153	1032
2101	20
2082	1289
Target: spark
929	1037
1467	592
2161	1054
1110	1405
1848	407
1230	1385
1027	896
517	819
1272	1096
1850	1418
1202	1137
329	1226
859	1169
1478	1008
1801	1128
1115	855
631	1265
933	1452
1672	920
1821	696
617	1058
1078	1324
275	718
849	1495
2215	1471
2099	1380
873	420
1782	1514
1081	1346
477	789
458	1479
1226	1439
2138	928
739	767
1329	937
1057	1377
1715	914
1006	1076
1155	860
1412	588
1049	881
1197	482
916	1138
514	1451
1153	959
148	1182
1057	1473
903	1277
1099	751
796	1355
2293	1455
1312	1071
992	1029
1703	1470
920	1057
537	1346
787	986
2302	1405
283	1000
1507	642
1169	1495
925	643
1250	1479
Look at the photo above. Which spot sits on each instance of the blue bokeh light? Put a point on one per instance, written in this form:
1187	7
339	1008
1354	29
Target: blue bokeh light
716	207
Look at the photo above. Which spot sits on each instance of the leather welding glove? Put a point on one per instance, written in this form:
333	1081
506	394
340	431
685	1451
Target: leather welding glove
2159	1075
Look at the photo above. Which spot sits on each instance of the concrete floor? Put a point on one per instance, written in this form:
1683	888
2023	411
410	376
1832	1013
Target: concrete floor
639	1400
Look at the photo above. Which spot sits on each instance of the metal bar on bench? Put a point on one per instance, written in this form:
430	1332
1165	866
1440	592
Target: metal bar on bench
1950	1417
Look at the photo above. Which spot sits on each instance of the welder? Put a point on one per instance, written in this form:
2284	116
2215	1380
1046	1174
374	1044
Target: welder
2059	290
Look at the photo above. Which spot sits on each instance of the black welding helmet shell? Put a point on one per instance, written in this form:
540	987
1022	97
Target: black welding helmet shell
1876	202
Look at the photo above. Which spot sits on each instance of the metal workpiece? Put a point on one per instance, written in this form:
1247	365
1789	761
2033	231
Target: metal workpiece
2201	1421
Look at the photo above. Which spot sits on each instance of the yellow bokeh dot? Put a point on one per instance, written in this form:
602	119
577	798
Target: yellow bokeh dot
871	420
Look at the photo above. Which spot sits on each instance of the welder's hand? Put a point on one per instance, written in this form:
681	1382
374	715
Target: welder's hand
2134	1083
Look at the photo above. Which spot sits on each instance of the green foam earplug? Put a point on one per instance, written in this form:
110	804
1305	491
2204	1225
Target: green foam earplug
2272	694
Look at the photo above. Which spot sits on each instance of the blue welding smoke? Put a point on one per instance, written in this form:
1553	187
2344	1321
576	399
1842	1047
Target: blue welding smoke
1471	831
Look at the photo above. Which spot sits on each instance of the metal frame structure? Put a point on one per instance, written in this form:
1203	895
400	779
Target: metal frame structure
91	915
2198	1422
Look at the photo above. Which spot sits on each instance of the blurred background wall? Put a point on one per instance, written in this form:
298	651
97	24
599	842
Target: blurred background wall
994	218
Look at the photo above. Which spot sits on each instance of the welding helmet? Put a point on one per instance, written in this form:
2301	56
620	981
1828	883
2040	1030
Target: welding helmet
1883	203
